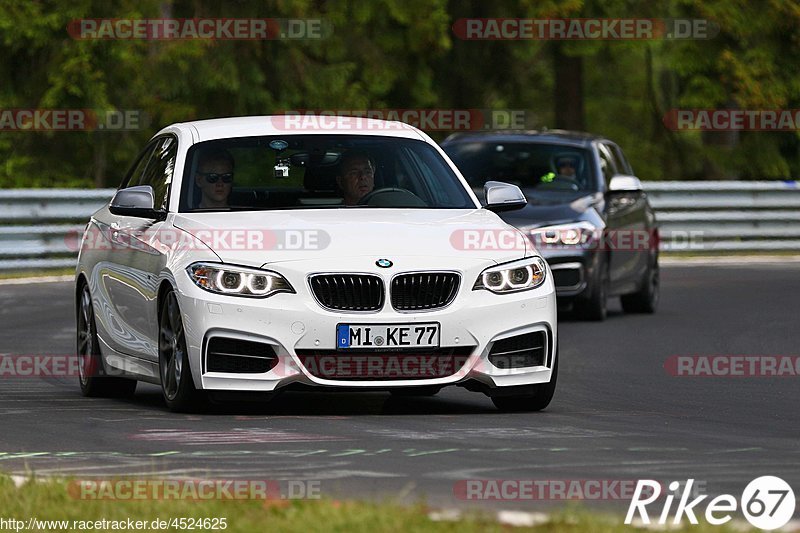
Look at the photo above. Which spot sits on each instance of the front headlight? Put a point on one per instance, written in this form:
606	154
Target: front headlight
575	234
237	281
512	277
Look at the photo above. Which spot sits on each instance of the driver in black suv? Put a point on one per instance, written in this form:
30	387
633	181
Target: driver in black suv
356	176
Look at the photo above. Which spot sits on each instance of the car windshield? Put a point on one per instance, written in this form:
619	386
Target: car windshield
543	167
319	172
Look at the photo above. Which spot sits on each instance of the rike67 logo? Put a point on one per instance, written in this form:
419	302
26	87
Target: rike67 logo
767	502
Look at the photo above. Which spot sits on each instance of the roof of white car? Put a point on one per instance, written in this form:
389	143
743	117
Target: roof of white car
296	124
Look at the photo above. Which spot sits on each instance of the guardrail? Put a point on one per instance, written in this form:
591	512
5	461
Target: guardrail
725	216
40	228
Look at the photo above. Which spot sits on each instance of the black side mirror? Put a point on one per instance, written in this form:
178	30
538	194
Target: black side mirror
136	201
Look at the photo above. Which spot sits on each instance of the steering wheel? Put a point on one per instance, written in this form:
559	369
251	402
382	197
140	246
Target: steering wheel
392	197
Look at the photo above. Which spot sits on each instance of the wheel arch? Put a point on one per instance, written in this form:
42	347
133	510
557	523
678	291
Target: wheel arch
165	287
80	283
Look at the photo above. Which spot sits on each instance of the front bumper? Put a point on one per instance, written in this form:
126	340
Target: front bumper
573	271
293	324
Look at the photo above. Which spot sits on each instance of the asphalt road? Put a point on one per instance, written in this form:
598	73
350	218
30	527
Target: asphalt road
617	414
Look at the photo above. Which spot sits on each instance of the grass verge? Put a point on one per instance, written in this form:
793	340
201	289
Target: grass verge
53	501
18	274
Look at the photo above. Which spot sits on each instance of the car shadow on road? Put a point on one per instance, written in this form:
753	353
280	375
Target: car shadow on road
340	403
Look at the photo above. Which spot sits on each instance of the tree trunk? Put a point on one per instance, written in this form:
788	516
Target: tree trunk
568	95
99	166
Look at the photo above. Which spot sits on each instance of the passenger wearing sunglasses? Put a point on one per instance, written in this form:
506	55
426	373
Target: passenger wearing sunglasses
214	177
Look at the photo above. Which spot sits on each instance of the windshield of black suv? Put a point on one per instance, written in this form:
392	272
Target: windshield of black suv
319	172
544	167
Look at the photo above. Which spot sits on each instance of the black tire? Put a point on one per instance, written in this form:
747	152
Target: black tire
540	398
92	375
177	385
645	300
596	306
410	392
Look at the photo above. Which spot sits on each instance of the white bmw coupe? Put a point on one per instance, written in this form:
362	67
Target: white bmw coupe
260	254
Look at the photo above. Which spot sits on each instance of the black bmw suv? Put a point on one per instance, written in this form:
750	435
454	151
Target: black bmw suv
587	213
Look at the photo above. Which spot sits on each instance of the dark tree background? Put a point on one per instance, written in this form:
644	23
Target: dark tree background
404	54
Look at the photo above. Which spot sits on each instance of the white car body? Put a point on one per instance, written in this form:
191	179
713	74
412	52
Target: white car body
127	282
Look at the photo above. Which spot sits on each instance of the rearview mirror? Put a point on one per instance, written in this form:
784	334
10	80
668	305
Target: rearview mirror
503	196
136	201
625	184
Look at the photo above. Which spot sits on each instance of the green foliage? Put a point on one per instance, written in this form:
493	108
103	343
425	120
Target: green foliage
398	54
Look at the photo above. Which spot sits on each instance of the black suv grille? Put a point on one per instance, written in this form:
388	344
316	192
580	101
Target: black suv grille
424	290
569	277
348	292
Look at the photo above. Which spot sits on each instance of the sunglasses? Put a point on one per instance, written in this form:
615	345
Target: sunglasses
212	177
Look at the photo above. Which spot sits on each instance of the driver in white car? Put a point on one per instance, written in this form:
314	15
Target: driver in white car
356	177
214	178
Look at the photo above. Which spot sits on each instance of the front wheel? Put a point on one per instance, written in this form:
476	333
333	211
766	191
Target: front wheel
645	300
177	385
596	307
538	399
92	375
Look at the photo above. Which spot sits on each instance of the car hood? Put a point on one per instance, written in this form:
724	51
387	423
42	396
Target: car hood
257	238
552	209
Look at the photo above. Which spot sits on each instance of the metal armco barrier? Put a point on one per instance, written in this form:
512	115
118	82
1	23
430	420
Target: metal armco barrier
40	228
727	216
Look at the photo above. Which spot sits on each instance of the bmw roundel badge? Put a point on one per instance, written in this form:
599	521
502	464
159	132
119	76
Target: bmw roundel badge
383	263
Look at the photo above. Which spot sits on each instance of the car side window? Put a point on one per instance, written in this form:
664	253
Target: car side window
134	175
158	173
430	186
622	164
607	166
619	162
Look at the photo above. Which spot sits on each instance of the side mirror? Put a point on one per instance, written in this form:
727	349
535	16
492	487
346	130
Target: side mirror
136	201
503	196
625	184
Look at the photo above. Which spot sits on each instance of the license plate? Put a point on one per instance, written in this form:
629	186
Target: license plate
387	336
